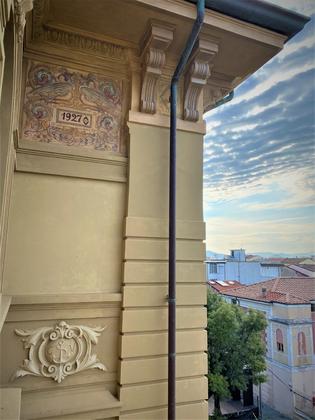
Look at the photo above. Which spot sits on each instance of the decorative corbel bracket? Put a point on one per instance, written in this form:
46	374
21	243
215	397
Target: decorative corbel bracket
196	77
21	7
156	41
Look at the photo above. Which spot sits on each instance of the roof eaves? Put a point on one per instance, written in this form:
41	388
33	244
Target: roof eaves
261	13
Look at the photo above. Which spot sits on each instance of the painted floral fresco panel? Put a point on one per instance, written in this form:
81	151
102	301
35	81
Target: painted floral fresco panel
72	108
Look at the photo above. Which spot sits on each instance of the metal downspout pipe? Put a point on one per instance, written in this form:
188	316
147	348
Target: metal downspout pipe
224	100
172	211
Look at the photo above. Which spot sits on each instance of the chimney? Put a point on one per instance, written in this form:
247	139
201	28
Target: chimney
264	292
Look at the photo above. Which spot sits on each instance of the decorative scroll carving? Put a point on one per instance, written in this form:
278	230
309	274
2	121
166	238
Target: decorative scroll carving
197	75
60	351
21	7
156	41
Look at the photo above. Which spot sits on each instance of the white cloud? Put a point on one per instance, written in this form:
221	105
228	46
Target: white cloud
298	187
306	7
291	235
293	47
259	156
293	189
257	109
272	80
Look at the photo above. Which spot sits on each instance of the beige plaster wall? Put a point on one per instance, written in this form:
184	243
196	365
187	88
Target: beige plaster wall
303	383
276	392
291	311
148	173
65	235
64	248
280	396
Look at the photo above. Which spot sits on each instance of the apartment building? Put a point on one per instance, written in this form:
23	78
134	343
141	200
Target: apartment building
289	306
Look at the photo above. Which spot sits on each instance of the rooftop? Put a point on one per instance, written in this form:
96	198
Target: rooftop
220	286
308	271
288	290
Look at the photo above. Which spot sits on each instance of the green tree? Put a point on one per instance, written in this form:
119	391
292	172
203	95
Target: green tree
234	343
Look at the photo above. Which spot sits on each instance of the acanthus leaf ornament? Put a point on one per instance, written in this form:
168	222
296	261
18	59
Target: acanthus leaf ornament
59	351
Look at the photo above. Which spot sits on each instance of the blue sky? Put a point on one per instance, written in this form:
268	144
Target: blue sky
259	154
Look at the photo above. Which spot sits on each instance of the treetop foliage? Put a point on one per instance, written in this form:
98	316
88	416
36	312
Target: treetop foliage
235	346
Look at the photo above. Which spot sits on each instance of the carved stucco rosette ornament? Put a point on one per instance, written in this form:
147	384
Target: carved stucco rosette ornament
60	351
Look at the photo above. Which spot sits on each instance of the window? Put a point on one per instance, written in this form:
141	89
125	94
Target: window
212	268
279	339
301	343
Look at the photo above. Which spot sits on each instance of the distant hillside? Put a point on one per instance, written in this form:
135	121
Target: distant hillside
212	254
282	255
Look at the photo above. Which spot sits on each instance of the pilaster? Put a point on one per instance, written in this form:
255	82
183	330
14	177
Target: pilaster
11	48
143	348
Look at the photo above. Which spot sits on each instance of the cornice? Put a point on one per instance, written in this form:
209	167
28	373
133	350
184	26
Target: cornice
80	41
218	20
74	38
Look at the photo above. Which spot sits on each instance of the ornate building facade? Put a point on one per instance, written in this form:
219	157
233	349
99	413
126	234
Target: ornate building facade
84	198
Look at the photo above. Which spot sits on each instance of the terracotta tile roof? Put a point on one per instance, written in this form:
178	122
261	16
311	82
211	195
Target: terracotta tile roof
219	286
290	290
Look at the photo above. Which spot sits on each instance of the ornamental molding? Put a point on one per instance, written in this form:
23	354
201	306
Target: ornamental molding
59	351
21	7
199	71
72	37
79	41
156	41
